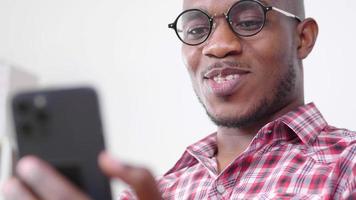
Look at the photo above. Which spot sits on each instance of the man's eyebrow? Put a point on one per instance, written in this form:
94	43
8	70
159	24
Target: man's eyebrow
264	2
203	8
192	16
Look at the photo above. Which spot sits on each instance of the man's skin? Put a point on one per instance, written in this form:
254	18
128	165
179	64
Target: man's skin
271	85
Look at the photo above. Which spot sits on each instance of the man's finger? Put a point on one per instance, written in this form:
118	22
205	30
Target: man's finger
140	179
13	189
45	181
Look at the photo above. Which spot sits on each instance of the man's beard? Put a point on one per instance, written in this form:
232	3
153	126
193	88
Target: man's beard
264	108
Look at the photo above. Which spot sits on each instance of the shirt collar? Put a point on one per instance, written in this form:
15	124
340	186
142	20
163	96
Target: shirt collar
306	122
200	151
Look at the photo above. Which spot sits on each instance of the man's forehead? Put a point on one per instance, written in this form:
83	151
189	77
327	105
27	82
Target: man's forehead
219	6
188	4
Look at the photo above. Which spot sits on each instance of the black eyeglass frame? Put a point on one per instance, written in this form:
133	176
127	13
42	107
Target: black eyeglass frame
211	19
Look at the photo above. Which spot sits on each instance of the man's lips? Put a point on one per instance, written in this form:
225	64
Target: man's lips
224	81
224	72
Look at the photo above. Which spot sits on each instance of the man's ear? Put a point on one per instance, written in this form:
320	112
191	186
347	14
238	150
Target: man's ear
307	31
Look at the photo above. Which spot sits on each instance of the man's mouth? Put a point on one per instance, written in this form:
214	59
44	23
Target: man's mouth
224	81
221	79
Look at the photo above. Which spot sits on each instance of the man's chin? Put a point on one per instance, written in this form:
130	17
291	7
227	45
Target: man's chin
240	118
230	122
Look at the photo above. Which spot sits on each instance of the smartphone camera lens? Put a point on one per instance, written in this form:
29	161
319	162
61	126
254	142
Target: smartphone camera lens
42	115
26	129
23	107
40	101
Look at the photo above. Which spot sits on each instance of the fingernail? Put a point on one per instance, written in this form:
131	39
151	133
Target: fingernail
28	167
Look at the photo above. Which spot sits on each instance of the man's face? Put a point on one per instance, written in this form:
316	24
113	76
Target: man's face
243	80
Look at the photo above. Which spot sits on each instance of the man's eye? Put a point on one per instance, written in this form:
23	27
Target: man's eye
197	32
248	24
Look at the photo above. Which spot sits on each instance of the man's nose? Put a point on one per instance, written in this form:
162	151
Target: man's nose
222	42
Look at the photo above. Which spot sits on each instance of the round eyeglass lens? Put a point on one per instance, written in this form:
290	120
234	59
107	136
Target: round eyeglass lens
193	27
246	18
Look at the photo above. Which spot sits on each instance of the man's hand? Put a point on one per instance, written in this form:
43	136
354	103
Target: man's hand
36	180
140	179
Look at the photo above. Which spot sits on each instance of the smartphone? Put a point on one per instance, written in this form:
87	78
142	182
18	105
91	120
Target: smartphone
63	127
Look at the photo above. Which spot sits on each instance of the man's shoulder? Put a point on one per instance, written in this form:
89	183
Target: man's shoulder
334	145
332	135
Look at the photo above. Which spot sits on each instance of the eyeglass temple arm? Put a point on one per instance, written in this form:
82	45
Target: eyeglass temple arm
288	14
173	26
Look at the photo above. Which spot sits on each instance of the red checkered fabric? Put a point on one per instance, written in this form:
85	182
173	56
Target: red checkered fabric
298	156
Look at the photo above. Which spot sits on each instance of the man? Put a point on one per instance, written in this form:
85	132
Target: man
245	62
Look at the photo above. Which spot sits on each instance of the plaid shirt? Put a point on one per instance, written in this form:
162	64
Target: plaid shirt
297	156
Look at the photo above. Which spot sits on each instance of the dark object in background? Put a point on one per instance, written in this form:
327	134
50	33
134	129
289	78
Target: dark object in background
63	127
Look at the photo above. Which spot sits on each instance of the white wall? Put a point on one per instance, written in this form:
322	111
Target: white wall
126	51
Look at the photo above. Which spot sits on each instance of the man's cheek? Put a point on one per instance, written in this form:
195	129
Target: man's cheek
191	58
197	87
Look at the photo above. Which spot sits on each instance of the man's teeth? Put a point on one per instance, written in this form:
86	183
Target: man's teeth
220	79
231	77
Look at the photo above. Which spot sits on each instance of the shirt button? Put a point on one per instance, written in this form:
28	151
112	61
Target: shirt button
221	189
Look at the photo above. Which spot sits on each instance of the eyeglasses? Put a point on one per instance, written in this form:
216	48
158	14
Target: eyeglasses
246	18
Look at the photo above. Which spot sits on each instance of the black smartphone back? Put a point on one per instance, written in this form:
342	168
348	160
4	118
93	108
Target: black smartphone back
63	127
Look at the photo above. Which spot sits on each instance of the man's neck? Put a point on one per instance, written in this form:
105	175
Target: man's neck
231	142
